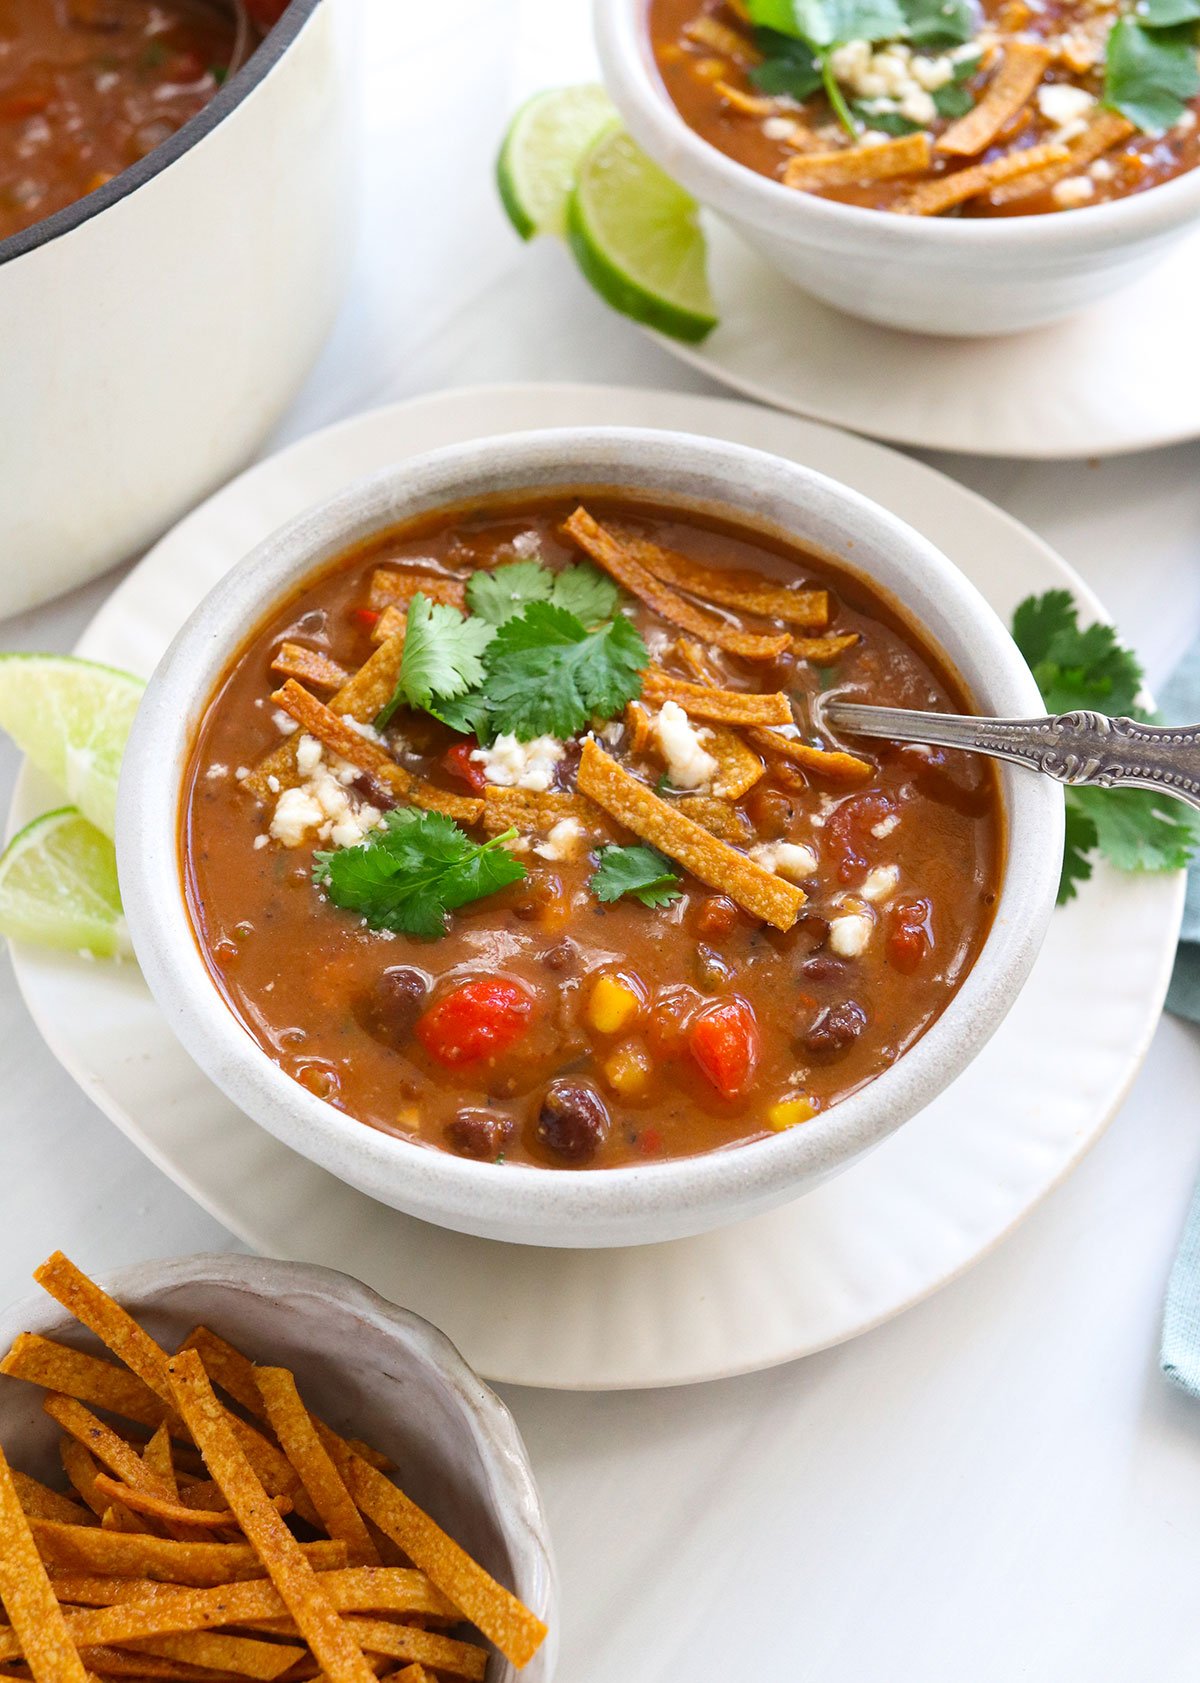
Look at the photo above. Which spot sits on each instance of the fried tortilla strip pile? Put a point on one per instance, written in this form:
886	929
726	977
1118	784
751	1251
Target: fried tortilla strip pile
183	1566
665	827
1011	88
748	593
1106	130
726	707
390	588
852	166
309	666
946	191
823	762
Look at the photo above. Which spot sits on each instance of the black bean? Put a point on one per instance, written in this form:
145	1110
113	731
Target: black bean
823	968
712	971
563	956
573	1122
835	1029
479	1133
391	1006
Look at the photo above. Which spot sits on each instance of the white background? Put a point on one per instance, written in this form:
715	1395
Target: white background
998	1485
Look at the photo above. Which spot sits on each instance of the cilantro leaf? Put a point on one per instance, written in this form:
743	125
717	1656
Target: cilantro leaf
1163	14
547	675
498	595
442	656
1139	829
410	874
788	66
1075	668
1079	841
640	871
939	23
952	99
467	714
828	23
583	590
1150	74
779	15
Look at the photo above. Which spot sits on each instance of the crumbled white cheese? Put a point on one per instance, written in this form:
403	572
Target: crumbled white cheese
297	811
217	770
309	753
320	803
525	544
284	723
1102	170
262	841
1067	107
273	784
520	765
880	883
563	841
689	764
366	731
777	128
885	826
612	732
242	773
1188	121
892	79
1075	190
786	859
850	934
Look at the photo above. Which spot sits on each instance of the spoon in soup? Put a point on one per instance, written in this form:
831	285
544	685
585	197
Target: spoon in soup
1083	749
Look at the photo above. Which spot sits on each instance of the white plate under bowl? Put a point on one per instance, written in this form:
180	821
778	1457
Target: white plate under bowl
912	1215
1123	375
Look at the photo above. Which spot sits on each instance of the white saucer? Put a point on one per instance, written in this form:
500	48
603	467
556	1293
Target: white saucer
921	1208
1123	375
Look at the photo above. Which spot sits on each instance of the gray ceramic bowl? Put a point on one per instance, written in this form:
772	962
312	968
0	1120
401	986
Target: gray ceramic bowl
663	1200
372	1370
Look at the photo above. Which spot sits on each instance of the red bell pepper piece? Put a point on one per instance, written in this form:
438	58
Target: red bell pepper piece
477	1019
725	1042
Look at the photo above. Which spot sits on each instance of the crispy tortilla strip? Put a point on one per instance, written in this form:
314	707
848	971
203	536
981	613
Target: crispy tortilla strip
852	166
748	104
40	1502
101	1314
738	767
747	592
80	1548
227	1367
325	1632
723	707
411	1674
81	1471
389	587
332	730
402	1642
359	1589
102	1442
245	1656
309	666
933	197
115	1662
169	1513
29	1600
72	1373
516	1631
117	1517
719	38
157	1459
1106	130
823	762
692	656
637	723
298	1438
537	810
661	824
823	651
718	817
619	561
361	697
392	622
1010	89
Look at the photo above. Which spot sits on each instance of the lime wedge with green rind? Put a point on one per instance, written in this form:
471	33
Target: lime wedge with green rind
58	887
637	237
541	152
72	718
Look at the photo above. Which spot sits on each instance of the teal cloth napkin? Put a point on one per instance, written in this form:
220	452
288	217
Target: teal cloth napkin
1180	704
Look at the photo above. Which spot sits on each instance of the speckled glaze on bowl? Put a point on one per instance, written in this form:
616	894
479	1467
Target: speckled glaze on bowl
652	1201
370	1369
951	275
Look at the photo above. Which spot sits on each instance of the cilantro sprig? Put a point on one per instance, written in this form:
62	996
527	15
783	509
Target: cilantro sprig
641	872
1134	829
1150	70
411	874
442	657
548	675
581	589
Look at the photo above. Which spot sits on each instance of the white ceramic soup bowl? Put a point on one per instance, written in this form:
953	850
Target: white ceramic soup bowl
373	1371
660	1200
942	275
155	331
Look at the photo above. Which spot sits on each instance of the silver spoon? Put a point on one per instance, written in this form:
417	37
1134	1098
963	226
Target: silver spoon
1083	749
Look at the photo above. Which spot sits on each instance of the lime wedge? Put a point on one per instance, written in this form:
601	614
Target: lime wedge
545	141
637	237
72	718
58	887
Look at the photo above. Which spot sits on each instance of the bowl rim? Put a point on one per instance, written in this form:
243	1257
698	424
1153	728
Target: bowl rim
740	192
228	97
517	1197
519	1508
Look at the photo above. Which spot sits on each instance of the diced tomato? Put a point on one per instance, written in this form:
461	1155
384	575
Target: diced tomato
366	616
650	1142
848	838
910	934
458	763
724	1040
477	1019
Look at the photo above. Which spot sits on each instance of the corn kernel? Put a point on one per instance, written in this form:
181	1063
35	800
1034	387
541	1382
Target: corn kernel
788	1112
612	1006
627	1070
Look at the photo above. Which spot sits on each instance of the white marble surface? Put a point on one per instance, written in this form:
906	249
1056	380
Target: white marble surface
996	1486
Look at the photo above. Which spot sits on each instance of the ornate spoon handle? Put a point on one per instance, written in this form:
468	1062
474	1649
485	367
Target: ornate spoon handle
1080	748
